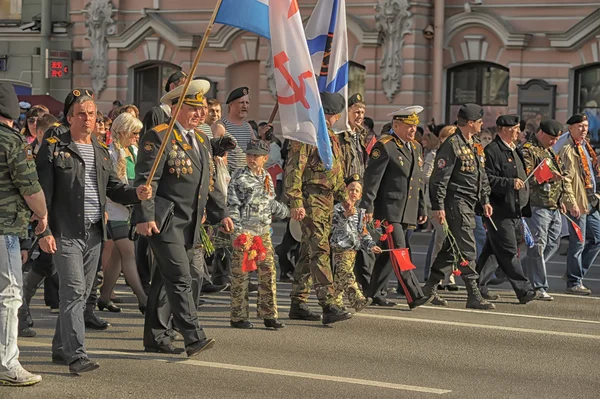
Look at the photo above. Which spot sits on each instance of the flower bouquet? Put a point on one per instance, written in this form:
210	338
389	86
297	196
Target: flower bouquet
253	249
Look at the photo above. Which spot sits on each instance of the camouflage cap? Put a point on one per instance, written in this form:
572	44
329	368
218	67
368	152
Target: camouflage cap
257	147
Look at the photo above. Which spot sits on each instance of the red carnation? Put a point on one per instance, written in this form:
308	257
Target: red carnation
383	237
377	224
262	256
240	241
389	228
464	263
456	272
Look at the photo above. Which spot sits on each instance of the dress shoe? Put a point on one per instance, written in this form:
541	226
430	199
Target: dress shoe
383	302
333	314
274	324
58	359
94	322
363	304
242	324
26	332
528	297
451	287
490	297
301	311
420	302
199	346
212	288
252	287
82	366
165	348
110	306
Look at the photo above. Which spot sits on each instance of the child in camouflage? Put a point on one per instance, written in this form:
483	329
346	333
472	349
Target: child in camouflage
348	234
252	205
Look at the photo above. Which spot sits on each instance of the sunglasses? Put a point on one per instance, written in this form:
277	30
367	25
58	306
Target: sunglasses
32	119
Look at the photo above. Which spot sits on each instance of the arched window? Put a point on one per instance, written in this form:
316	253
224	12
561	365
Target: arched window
587	98
356	79
481	83
150	81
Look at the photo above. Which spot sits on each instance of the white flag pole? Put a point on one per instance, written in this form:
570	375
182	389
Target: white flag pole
536	168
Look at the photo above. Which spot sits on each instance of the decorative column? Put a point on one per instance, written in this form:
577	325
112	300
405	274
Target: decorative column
99	24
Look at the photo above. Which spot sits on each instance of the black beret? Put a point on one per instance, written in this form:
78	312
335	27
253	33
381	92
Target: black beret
221	145
237	93
73	95
352	179
333	103
257	147
577	118
551	127
9	103
174	78
470	112
508	120
356	99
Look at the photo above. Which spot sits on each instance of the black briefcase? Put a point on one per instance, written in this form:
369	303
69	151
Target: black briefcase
163	214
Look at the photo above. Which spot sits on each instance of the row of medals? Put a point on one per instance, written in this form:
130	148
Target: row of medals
468	160
177	162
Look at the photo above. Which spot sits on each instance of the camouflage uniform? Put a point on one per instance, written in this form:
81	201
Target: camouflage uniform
354	151
310	185
251	202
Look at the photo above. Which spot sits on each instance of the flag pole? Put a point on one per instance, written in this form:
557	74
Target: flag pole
186	86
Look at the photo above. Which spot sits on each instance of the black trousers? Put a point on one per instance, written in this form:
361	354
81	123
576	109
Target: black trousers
288	248
363	268
171	291
43	270
383	270
460	216
142	259
503	243
221	267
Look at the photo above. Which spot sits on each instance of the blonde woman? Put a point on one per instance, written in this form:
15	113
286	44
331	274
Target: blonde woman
125	130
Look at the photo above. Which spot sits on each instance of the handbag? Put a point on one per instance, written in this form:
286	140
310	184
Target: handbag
163	214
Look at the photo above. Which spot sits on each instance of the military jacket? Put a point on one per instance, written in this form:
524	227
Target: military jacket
56	130
251	202
548	194
305	173
18	178
459	171
350	232
393	182
354	152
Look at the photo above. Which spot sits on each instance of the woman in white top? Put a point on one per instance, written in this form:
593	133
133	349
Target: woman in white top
125	131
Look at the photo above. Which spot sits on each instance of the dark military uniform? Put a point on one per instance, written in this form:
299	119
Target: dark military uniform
393	191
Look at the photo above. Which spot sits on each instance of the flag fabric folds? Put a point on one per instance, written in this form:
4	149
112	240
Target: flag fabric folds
542	172
577	229
328	46
250	15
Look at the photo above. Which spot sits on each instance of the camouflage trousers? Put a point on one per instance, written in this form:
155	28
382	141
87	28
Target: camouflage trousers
344	281
314	261
267	298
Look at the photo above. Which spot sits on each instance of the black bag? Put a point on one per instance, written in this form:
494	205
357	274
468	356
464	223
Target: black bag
163	214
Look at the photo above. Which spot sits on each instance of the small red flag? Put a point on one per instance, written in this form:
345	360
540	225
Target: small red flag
371	144
577	230
543	173
402	259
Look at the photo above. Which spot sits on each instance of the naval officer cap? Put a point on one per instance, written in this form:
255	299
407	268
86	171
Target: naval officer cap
508	120
194	96
577	118
333	103
237	93
9	103
470	112
356	99
174	78
408	115
257	147
551	127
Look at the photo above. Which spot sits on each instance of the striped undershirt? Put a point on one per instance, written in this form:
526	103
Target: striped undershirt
243	134
92	209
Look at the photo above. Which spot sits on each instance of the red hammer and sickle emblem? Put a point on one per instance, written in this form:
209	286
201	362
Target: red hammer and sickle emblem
299	95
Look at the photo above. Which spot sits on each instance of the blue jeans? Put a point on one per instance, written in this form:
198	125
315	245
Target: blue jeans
581	255
545	226
11	281
480	235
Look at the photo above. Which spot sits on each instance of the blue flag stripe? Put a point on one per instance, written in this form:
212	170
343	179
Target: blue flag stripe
250	15
340	80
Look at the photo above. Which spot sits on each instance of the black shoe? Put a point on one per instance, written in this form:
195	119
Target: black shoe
274	323
301	311
333	314
452	287
490	297
383	302
25	317
82	366
95	323
116	300
252	287
528	297
165	348
243	324
431	290
26	333
110	306
58	359
420	302
212	288
199	346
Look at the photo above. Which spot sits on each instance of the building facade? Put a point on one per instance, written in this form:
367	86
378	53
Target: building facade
538	58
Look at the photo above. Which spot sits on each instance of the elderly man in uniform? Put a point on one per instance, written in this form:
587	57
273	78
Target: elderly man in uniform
394	192
581	171
311	190
77	175
547	201
459	185
20	195
172	219
505	167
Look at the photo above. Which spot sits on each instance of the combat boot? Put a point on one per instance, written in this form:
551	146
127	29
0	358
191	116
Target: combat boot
301	311
333	314
474	298
430	290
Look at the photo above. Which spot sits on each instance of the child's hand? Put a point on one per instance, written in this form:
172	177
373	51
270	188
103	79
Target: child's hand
376	250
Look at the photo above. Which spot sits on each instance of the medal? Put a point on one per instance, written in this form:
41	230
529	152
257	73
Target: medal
171	170
188	162
184	170
189	170
177	162
178	171
67	155
175	148
170	162
181	154
173	154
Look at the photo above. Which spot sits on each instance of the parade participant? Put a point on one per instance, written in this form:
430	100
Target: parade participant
348	234
311	190
352	143
63	125
394	193
238	103
160	114
171	220
252	205
42	124
20	195
214	111
29	131
546	201
505	168
580	165
77	176
459	185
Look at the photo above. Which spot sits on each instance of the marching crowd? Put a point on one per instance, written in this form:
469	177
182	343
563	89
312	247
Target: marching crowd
88	197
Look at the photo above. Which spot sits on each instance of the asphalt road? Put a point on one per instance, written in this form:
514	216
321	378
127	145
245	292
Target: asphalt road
540	350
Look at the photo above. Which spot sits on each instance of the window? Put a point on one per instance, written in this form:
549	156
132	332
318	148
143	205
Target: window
480	83
150	81
10	10
587	98
356	79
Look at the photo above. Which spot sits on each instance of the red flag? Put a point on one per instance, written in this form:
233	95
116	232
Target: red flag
402	259
371	144
577	230
543	173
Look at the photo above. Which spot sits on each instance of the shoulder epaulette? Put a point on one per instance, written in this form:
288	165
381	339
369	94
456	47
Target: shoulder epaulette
56	124
386	139
52	140
527	145
102	144
161	127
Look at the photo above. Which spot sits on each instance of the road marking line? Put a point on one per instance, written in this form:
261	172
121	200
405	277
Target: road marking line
584	279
